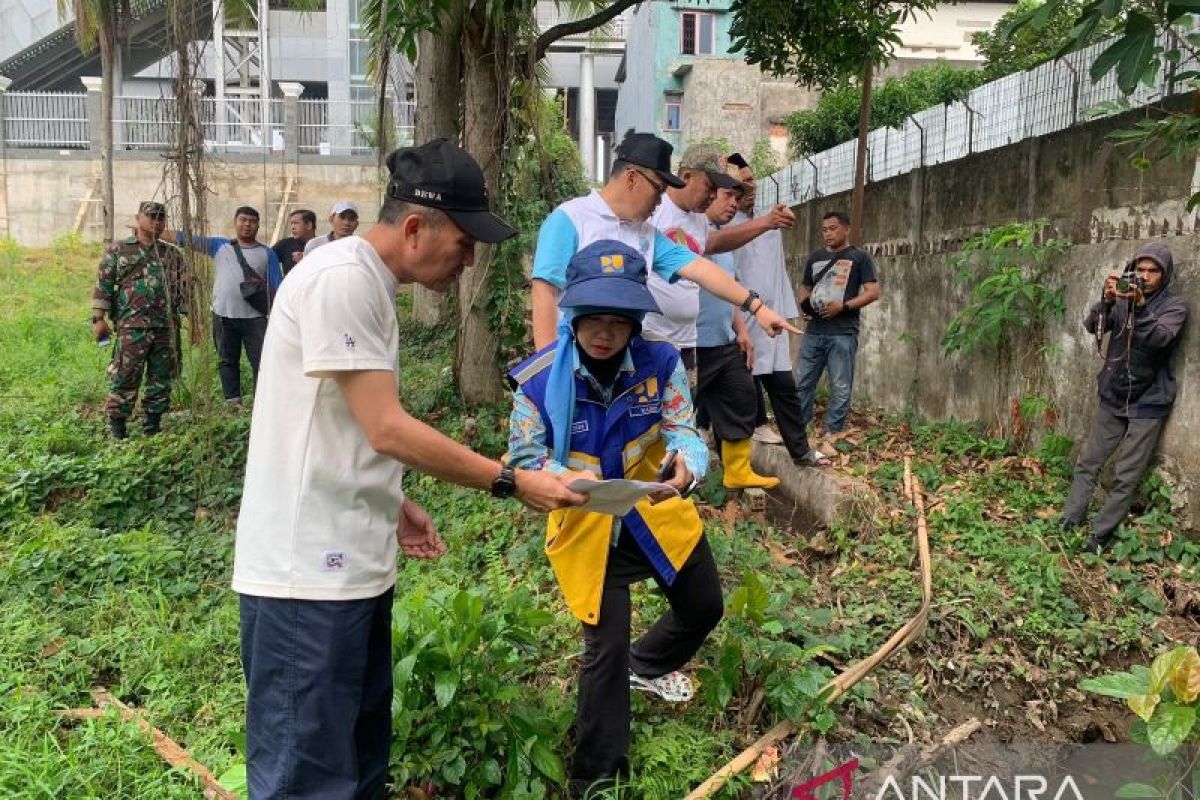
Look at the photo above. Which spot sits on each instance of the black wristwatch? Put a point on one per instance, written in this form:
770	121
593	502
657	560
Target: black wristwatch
505	484
750	298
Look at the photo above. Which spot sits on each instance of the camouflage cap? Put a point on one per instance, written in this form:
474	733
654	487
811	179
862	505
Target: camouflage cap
151	207
708	158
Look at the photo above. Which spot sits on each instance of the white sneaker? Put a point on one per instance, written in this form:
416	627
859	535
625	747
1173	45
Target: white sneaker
765	434
674	687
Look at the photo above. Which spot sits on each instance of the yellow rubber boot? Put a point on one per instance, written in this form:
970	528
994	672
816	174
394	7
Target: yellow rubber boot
738	474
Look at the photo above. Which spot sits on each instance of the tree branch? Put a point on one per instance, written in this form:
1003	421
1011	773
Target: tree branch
553	34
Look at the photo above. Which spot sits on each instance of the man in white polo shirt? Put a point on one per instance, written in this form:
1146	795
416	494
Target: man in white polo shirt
322	507
621	211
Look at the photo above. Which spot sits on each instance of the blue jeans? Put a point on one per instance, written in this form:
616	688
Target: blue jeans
319	697
817	353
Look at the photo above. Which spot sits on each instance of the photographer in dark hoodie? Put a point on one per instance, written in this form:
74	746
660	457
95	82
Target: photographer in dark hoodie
1137	387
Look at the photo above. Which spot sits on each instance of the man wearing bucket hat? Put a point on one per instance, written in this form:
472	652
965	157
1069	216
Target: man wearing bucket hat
323	511
600	398
621	211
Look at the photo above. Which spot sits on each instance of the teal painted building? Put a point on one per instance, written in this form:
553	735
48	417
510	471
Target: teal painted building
663	41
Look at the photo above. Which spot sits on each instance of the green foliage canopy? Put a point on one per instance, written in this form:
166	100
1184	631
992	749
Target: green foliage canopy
835	119
1027	47
818	43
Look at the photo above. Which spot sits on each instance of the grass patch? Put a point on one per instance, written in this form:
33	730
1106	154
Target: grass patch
118	555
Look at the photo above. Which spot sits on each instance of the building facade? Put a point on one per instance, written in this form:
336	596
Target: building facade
679	80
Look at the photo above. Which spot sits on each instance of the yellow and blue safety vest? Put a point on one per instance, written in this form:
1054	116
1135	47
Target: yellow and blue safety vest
622	439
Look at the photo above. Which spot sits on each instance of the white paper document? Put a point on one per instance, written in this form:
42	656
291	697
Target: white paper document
615	497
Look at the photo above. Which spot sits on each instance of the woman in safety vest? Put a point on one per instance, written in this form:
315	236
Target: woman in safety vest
603	400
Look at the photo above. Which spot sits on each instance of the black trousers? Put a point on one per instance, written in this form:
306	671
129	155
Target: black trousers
603	717
232	335
785	402
318	697
725	392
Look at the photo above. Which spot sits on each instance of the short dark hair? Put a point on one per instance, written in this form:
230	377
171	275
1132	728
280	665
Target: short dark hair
246	211
393	211
306	215
840	216
619	167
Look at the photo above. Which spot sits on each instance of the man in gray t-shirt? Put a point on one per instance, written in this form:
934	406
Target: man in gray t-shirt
236	324
838	281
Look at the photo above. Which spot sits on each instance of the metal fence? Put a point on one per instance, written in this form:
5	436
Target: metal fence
45	119
353	127
1043	100
234	125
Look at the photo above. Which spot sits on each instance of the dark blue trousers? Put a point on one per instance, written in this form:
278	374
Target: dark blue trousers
319	696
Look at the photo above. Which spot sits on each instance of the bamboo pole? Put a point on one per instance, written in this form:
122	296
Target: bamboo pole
164	745
842	683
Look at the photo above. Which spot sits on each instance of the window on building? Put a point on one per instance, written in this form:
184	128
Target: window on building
674	111
697	32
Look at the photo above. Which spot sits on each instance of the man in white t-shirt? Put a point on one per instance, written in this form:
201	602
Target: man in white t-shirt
621	211
322	508
680	217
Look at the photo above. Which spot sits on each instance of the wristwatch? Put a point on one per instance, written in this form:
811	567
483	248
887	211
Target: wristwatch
505	484
750	298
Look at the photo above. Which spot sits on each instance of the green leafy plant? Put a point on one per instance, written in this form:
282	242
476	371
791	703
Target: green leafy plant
755	657
1164	697
1008	268
463	720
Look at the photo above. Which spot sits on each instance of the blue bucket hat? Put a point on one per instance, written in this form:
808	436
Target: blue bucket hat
608	276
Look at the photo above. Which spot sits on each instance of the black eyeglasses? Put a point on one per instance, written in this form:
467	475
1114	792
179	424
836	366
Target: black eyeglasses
658	187
158	216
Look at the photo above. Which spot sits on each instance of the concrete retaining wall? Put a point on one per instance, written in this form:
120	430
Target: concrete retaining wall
42	193
914	226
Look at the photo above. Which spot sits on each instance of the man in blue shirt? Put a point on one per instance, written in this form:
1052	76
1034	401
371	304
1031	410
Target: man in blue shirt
724	357
621	212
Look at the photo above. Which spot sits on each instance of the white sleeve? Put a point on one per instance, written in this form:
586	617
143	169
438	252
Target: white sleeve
344	322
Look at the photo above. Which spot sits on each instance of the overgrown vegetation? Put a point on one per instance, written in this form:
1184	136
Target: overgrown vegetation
1028	47
835	118
117	559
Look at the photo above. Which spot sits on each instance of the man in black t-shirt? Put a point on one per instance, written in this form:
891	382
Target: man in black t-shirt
302	225
838	281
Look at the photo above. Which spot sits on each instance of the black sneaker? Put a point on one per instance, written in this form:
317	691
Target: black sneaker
116	426
1069	525
1094	544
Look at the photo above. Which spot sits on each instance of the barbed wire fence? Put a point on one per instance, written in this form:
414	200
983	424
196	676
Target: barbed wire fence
1043	100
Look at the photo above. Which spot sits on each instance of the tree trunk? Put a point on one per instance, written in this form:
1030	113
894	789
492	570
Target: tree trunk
484	117
110	69
860	158
439	104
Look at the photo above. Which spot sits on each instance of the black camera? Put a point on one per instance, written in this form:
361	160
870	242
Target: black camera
1129	281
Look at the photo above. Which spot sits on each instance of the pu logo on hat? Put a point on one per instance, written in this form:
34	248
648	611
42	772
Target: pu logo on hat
425	194
613	264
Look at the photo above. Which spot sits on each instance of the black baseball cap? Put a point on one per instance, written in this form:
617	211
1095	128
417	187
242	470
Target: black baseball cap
152	208
441	175
649	151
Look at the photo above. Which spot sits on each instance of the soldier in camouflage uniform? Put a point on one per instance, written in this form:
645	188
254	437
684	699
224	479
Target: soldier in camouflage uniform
142	286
